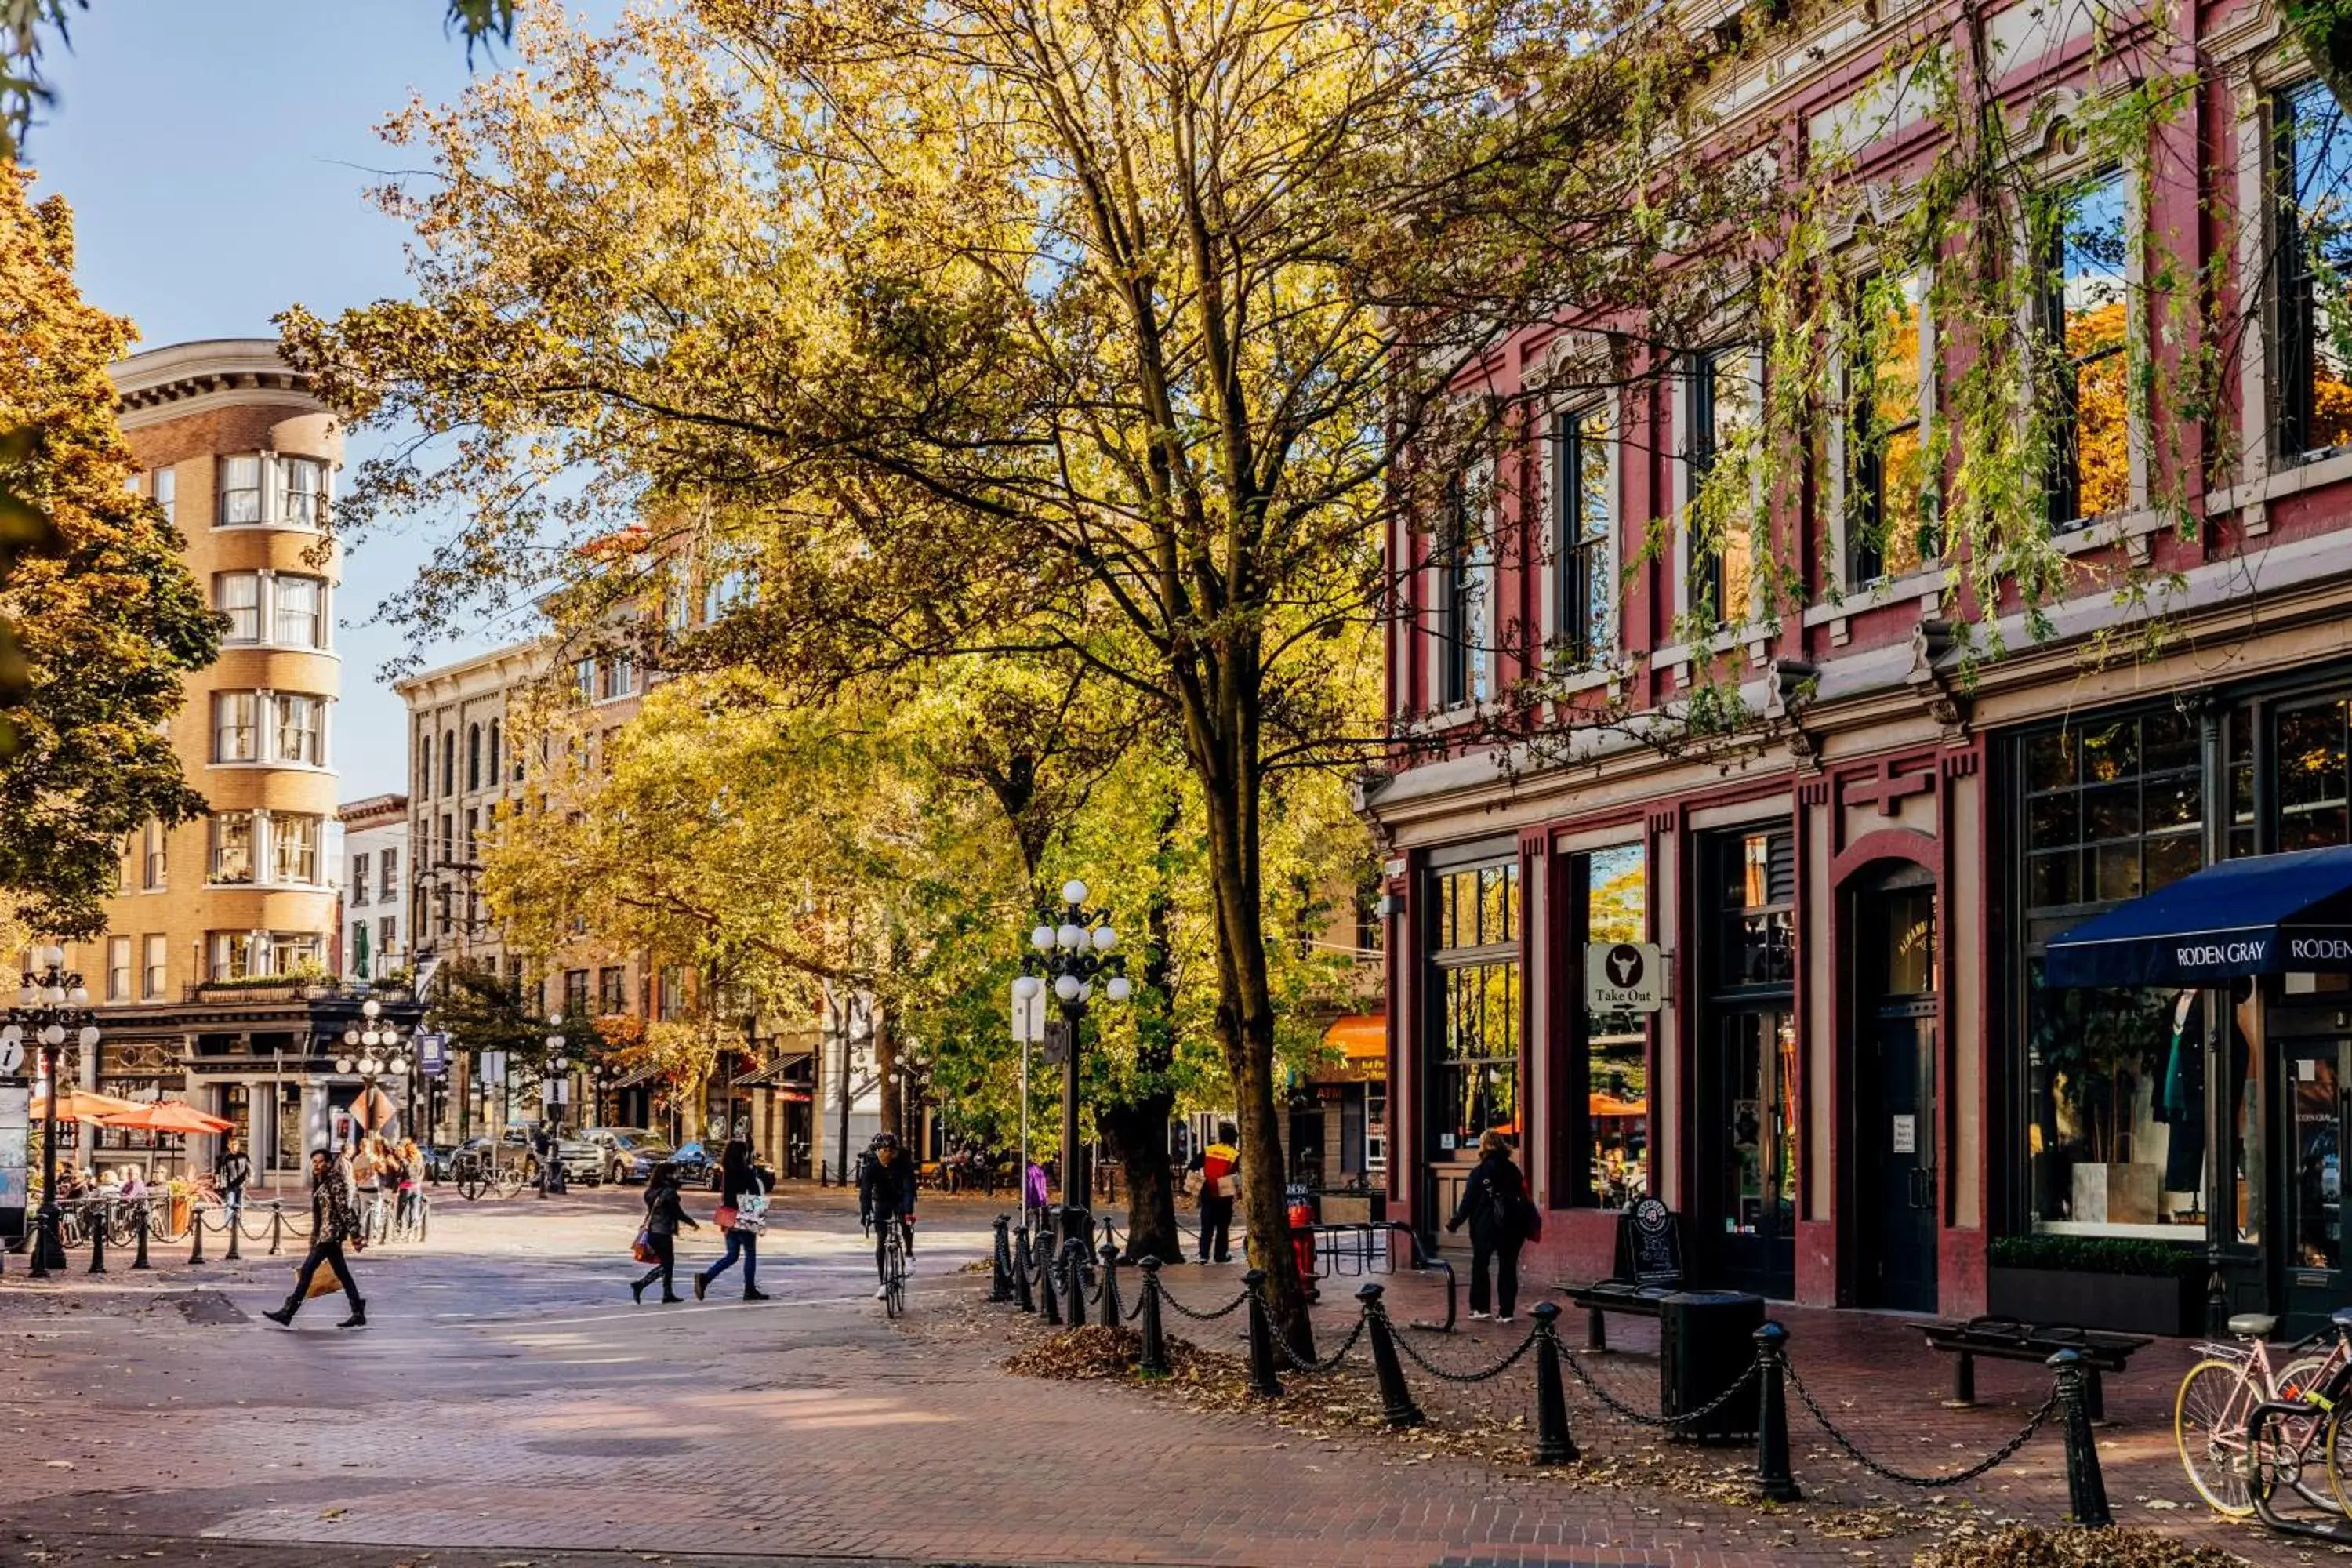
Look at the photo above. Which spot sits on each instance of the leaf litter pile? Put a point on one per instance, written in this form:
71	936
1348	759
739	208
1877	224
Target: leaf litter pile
2025	1546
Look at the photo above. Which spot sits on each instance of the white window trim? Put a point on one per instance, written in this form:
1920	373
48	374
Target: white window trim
265	853
273	492
266	723
265	606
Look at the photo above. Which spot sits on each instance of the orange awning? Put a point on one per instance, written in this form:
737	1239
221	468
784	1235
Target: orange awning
1364	1036
1610	1105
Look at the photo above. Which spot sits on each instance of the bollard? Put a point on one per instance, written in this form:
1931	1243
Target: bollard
1112	1314
2086	1489
1074	1279
98	1241
1020	1296
1262	1381
1553	1444
234	1254
1049	1303
1397	1407
1772	1478
1000	1273
1154	1360
146	1220
277	1227
196	1229
424	1218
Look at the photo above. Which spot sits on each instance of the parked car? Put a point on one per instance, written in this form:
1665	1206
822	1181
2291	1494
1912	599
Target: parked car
630	1152
582	1160
437	1157
695	1165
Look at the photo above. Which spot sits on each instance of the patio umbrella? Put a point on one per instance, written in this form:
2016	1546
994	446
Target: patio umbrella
82	1105
167	1116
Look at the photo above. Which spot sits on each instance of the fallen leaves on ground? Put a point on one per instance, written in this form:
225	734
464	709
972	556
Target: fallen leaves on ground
2028	1546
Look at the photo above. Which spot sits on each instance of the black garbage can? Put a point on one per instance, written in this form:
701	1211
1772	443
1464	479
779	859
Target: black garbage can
1707	1340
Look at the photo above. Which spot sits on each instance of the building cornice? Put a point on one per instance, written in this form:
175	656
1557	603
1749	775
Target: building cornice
186	378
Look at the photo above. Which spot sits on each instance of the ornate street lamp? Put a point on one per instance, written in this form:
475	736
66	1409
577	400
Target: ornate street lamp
372	1049
554	1089
52	1006
1067	957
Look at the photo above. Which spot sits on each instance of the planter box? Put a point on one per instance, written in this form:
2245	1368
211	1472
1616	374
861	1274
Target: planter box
2127	1303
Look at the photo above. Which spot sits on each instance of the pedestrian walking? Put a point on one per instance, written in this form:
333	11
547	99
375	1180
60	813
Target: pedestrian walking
333	1223
1220	1165
1495	1206
742	1194
664	1214
235	1169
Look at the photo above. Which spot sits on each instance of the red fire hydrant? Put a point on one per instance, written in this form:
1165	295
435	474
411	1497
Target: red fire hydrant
1302	1242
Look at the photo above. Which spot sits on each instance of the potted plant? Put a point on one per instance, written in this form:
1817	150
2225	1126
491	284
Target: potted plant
2097	1283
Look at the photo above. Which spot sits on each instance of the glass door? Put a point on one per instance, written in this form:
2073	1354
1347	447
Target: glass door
2313	1106
1751	1184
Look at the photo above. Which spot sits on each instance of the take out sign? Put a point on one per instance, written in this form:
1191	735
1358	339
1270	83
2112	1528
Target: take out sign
1625	977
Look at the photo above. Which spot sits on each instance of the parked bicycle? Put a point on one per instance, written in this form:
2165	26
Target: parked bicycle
477	1172
2217	1401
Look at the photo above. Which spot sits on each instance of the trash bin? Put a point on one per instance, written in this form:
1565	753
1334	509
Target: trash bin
1707	1341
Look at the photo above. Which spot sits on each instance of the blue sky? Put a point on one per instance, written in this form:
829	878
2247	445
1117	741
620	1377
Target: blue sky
214	153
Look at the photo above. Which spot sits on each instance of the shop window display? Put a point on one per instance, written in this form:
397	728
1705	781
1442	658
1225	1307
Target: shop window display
1476	1086
1614	885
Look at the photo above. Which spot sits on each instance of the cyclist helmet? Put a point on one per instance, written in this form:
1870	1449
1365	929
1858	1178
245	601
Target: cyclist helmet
885	1140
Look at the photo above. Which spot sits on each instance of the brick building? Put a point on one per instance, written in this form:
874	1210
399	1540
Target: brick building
1858	1080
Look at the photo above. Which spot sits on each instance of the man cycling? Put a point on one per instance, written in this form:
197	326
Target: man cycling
885	1193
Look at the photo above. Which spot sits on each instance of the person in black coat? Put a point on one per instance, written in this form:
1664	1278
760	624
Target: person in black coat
664	1214
885	1196
1493	1204
738	1178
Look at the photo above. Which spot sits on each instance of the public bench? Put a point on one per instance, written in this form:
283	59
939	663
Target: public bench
2008	1338
1648	1270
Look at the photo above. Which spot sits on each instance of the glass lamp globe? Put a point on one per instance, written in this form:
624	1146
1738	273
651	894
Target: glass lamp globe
1105	939
344	1064
371	1007
1028	985
27	996
351	1036
55	1035
1120	988
1074	891
1041	939
78	995
1067	987
1085	991
1072	936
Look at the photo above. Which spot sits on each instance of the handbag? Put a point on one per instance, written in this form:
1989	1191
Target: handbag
725	1215
323	1283
642	1249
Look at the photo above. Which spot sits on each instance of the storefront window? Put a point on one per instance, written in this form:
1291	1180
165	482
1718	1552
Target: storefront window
2115	1077
1614	885
1475	1078
1757	943
2312	793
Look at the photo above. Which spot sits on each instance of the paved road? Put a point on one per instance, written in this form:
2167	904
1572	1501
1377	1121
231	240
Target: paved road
508	1405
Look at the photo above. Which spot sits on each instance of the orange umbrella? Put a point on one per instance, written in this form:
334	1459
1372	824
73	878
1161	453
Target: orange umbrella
167	1116
81	1105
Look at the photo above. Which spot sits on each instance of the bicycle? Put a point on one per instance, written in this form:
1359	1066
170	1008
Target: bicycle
893	1266
2218	1397
476	1174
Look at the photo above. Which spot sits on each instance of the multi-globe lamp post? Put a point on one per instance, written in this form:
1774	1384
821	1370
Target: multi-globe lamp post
1067	957
373	1050
52	1006
554	1089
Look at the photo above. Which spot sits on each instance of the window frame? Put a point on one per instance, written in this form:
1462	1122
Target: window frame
249	727
1584	561
2047	254
1860	470
220	850
222	581
2295	332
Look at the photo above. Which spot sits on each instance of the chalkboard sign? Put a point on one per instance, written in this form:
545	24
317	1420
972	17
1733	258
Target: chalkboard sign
1650	1245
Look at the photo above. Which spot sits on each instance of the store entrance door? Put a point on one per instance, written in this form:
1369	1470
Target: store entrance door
1748	1156
1895	1165
2317	1072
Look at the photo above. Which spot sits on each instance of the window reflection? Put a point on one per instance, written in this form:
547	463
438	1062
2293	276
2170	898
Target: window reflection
2315	320
1724	384
1890	516
1475	1067
2087	319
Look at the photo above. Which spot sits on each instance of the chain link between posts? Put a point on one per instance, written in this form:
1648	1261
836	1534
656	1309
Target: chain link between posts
1992	1461
1498	1370
1642	1417
1329	1363
1235	1305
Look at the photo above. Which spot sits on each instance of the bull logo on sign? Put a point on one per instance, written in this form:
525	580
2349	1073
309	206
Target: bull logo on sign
1624	965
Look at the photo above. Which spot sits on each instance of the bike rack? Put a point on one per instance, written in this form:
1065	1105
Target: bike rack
2262	1484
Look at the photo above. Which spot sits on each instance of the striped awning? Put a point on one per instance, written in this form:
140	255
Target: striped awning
772	1074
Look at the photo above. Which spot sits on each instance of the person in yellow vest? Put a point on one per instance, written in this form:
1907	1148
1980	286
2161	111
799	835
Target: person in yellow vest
1220	1165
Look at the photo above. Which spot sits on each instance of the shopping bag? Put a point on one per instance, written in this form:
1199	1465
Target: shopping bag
323	1283
642	1249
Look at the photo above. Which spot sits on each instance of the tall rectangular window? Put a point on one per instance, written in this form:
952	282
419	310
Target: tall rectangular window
473	830
228	955
2086	252
1585	590
240	491
1723	409
152	979
1464	565
232	846
297	721
1890	505
359	888
388	869
2312	178
237	596
575	992
302	493
1612	885
294	847
167	493
584	678
300	612
237	727
118	969
387	937
152	843
670	999
1475	1085
612	992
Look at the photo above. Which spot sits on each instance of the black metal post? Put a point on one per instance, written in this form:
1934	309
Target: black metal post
1075	1191
1153	1362
48	1245
2086	1489
1021	1268
1049	1303
98	1243
1553	1444
1397	1407
146	1221
1073	1277
1112	1315
234	1253
1772	1478
1000	1281
1262	1381
277	1227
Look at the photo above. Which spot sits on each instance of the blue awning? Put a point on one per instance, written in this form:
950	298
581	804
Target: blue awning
2264	914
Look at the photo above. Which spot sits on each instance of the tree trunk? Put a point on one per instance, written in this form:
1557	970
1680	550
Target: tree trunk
1136	1131
2324	28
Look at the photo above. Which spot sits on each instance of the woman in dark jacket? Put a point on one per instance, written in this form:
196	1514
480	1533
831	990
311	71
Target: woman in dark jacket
664	1214
738	1178
1493	1204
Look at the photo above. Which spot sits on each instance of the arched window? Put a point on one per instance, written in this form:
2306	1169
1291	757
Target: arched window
495	776
473	756
449	762
424	765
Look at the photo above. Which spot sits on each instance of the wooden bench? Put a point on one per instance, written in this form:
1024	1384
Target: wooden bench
1649	1268
2008	1338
